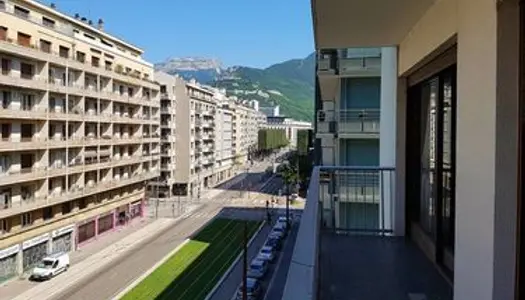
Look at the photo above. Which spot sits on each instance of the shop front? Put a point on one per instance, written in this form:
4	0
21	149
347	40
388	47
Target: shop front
86	231
122	215
8	262
34	250
135	209
105	223
62	239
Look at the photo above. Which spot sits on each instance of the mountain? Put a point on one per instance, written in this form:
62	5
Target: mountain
202	69
289	84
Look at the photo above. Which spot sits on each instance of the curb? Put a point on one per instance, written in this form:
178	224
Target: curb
219	283
149	271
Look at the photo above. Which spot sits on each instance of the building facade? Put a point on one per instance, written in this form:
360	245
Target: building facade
348	114
80	132
458	132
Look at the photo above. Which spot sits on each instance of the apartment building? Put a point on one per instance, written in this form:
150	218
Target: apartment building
170	86
224	151
80	132
348	114
246	124
188	138
457	194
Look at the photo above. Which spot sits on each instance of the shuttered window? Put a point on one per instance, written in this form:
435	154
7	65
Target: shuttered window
24	39
3	33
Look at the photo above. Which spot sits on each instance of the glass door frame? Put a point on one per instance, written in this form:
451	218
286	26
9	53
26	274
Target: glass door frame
432	241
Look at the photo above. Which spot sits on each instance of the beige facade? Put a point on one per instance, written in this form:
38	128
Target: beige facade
478	42
206	136
80	125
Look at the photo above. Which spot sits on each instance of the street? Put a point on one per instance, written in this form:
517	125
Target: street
230	199
117	275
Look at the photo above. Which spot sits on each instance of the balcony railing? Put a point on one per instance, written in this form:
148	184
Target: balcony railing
349	121
352	200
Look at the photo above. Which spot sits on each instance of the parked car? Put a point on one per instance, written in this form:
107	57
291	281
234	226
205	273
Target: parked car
51	266
278	230
282	222
267	253
253	289
274	242
257	268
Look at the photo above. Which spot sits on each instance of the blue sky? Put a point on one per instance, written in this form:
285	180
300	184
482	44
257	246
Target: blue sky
254	33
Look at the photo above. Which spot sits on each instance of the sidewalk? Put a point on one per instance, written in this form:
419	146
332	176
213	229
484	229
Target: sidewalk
93	263
89	259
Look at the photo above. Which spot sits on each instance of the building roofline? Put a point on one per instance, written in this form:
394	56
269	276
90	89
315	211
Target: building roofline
55	11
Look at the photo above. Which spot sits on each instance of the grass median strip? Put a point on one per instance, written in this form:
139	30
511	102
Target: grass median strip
194	270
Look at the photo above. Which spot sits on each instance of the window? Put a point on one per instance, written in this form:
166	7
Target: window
81	56
24	39
66	208
89	36
109	65
2	4
21	12
48	22
26	219
27	102
6	66
26	70
47	213
3	32
5	226
82	203
163	89
109	56
6	99
63	52
95	61
45	46
106	43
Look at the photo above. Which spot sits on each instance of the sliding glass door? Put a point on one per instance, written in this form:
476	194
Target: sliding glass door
431	135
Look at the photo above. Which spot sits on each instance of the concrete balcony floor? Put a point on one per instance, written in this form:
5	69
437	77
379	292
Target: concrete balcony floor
357	267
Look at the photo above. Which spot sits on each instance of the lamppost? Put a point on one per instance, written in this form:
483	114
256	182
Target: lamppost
245	262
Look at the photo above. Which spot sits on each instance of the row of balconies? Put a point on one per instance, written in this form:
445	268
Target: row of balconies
76	191
42	172
75	114
8	144
352	121
76	62
40	83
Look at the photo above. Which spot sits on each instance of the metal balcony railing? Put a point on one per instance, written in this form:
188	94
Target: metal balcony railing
354	200
348	121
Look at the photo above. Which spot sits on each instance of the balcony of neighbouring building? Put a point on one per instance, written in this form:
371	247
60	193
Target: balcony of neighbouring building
362	123
346	246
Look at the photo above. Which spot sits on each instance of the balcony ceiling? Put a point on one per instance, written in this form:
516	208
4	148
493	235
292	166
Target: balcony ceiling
364	23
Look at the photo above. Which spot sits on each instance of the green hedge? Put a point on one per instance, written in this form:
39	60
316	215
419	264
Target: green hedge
270	139
302	141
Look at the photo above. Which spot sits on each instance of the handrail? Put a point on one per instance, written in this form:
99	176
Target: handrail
302	279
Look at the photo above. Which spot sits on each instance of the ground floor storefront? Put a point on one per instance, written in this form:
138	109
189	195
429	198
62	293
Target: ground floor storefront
22	257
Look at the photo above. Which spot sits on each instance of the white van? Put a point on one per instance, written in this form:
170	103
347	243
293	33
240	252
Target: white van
51	265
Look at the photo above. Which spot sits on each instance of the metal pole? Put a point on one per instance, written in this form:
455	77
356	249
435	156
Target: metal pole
245	262
288	205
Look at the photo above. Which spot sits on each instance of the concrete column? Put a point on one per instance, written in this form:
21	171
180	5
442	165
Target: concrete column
387	137
96	226
114	218
20	261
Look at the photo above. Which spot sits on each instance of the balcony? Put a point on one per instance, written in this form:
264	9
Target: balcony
9	209
360	67
351	210
352	122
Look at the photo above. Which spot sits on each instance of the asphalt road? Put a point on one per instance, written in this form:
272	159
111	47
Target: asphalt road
120	273
273	283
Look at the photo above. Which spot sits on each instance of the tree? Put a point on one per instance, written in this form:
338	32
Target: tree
289	173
